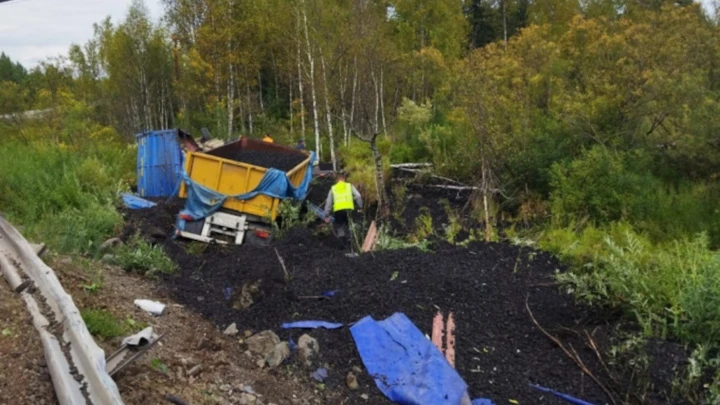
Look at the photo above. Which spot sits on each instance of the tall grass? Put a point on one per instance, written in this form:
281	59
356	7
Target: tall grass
65	195
671	289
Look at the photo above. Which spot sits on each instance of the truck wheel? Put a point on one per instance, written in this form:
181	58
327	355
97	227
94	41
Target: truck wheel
253	237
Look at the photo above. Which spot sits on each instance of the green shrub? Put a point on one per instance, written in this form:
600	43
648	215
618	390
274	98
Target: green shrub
423	225
399	195
454	225
599	185
604	186
670	289
141	257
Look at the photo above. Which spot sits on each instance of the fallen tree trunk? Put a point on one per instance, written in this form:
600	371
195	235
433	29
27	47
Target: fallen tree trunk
410	165
449	187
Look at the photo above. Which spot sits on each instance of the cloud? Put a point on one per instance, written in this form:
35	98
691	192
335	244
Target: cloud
33	30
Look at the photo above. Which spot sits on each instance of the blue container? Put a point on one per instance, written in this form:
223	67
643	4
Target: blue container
159	163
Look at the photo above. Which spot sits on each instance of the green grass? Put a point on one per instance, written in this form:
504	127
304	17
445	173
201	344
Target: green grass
103	324
64	196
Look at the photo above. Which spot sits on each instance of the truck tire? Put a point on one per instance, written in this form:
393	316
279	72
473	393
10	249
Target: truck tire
251	238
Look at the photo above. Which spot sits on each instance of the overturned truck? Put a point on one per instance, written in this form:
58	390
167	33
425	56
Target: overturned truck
233	192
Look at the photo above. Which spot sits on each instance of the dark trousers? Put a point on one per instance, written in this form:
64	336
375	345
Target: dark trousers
342	226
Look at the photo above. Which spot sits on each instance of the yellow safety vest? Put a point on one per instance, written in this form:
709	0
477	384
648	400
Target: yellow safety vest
342	197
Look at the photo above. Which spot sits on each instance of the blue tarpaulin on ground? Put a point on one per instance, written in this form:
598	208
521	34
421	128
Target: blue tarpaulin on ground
405	365
135	203
311	325
202	202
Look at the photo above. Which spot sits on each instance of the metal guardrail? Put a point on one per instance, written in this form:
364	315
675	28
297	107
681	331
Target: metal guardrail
76	364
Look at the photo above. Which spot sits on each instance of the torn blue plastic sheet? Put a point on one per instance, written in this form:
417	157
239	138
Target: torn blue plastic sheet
560	395
311	325
202	202
405	365
330	293
482	401
135	203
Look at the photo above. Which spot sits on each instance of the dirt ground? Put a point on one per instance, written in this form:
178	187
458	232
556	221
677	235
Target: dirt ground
226	370
24	378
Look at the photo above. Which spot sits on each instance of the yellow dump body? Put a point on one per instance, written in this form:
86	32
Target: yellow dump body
233	177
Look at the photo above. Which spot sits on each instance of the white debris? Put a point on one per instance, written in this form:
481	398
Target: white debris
153	307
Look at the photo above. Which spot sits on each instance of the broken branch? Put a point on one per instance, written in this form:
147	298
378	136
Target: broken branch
574	357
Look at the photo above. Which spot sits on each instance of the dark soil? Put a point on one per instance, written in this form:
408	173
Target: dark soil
499	349
319	189
277	160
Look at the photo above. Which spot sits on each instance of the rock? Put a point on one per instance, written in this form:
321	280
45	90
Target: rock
247	399
262	343
65	260
365	396
307	348
195	370
231	330
201	299
351	381
225	387
110	244
108	258
357	370
279	353
260	363
247	333
248	294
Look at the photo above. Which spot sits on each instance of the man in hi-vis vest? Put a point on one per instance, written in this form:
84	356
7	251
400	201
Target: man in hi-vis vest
342	199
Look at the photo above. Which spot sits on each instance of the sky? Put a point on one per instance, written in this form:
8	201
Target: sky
33	30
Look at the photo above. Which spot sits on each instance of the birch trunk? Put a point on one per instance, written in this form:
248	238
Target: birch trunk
352	100
343	115
504	11
300	81
486	209
230	98
311	61
260	95
217	106
383	211
376	128
382	102
290	105
331	135
249	106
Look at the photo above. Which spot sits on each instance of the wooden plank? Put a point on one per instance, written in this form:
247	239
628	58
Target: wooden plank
370	238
